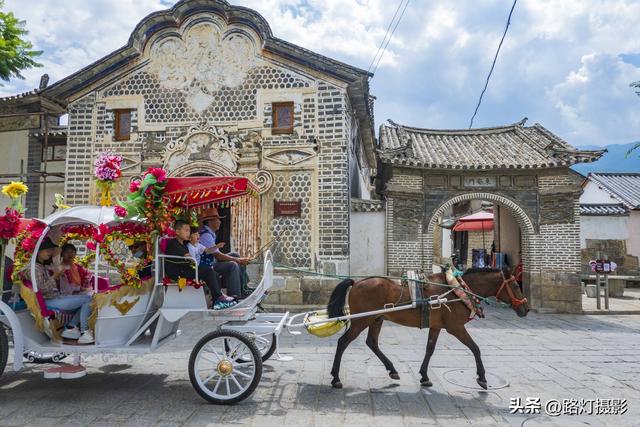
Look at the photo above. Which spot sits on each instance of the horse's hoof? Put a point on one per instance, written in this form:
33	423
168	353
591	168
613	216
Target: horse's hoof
336	384
482	383
394	375
426	383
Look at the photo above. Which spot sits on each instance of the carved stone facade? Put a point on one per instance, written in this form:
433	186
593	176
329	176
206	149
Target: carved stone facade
200	80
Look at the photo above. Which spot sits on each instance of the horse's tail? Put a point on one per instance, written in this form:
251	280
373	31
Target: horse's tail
338	298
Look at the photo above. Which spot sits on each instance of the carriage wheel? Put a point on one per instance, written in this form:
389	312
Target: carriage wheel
225	367
266	345
4	349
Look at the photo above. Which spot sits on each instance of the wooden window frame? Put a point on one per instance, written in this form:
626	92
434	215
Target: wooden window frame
117	132
274	118
51	146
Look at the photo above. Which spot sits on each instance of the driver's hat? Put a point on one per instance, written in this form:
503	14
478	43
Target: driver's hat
209	213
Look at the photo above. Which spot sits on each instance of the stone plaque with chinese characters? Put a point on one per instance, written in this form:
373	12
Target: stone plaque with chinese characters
288	208
480	181
19	122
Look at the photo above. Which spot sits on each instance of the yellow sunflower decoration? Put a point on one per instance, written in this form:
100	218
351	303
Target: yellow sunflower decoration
15	189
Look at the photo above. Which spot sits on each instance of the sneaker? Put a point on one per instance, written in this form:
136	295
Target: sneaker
221	305
225	298
71	372
86	338
71	333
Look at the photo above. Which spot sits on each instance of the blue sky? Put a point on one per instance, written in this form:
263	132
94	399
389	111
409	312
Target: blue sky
566	64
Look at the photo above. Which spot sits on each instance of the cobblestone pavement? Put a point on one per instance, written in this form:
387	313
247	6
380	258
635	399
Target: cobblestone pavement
545	356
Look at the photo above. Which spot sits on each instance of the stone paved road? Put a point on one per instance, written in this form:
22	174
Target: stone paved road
545	356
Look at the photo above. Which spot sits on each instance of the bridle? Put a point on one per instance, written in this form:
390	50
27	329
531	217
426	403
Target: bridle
515	302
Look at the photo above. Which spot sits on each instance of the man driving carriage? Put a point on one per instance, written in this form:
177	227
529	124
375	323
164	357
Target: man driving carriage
232	267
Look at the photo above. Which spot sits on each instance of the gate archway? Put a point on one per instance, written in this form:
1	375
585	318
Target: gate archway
527	227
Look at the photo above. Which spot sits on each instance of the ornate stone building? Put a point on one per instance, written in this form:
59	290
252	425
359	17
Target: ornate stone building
523	170
205	88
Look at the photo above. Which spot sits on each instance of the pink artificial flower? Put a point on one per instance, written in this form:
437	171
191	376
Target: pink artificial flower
134	186
120	211
91	246
159	173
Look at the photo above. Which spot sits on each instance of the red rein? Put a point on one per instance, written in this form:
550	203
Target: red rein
515	302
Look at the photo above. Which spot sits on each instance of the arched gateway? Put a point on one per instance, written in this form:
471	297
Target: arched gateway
427	174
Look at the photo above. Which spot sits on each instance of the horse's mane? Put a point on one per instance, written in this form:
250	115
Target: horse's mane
481	270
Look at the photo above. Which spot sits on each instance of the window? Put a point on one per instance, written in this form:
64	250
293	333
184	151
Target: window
282	113
122	125
55	152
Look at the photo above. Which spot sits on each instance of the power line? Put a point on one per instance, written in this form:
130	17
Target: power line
384	48
495	58
385	35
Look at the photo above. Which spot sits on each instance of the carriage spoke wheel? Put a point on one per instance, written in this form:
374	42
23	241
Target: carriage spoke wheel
225	367
266	345
4	349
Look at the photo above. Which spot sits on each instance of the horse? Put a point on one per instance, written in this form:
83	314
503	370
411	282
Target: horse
374	293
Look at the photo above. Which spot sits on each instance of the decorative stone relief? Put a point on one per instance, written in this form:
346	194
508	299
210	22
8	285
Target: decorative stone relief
557	208
203	61
289	157
202	143
264	180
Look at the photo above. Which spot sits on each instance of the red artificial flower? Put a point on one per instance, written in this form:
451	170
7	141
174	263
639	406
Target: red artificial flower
134	186
91	246
120	211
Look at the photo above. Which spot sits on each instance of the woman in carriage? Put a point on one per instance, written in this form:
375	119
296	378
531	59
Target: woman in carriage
48	284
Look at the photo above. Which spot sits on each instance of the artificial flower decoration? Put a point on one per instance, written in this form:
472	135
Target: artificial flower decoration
120	211
15	190
107	173
182	282
9	224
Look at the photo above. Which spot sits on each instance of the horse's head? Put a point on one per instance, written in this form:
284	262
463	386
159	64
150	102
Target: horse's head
499	284
509	292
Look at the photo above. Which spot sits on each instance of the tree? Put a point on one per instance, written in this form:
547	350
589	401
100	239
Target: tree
16	53
635	85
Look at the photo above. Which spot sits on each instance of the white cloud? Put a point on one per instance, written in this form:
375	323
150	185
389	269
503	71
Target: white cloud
559	64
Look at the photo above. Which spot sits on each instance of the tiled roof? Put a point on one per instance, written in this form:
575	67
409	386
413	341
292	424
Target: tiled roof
362	205
514	146
603	210
623	186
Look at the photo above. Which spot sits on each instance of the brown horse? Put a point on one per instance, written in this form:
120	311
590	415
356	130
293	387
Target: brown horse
375	292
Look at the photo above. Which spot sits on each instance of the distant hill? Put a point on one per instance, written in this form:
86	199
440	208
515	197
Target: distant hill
612	161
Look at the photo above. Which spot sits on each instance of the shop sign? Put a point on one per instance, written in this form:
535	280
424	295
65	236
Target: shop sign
602	266
286	208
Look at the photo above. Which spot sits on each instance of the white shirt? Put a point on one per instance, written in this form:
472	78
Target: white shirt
196	251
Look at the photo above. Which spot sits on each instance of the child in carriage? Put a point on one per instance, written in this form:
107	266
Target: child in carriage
176	269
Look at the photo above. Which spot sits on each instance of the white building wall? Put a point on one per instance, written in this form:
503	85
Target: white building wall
633	242
593	194
14	149
604	228
367	243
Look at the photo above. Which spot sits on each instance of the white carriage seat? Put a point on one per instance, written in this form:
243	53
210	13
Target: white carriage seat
248	305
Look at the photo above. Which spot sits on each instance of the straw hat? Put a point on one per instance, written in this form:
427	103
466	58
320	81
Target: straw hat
209	214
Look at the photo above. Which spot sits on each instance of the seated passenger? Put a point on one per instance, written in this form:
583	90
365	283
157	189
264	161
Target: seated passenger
48	286
196	249
76	279
177	268
139	251
231	267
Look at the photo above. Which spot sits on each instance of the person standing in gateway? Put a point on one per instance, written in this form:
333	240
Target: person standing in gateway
227	265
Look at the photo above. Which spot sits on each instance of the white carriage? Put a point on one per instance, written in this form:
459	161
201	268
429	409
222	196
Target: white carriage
225	365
